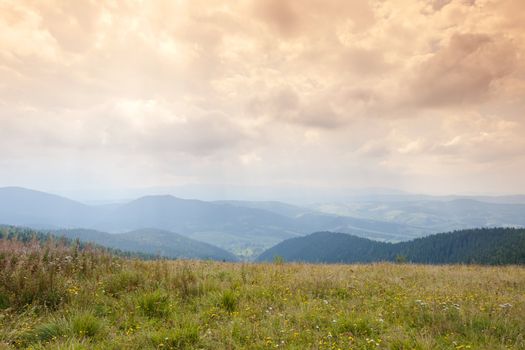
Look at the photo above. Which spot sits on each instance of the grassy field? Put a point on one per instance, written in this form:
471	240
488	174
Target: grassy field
57	297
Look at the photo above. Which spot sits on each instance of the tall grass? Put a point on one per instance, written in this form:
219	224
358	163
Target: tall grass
47	273
59	296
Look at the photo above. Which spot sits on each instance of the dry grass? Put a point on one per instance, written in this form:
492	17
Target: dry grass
105	303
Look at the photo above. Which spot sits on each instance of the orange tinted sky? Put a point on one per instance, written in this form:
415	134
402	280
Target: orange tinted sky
424	95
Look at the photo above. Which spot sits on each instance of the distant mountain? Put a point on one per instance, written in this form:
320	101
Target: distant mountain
153	242
185	215
248	228
20	206
244	228
235	227
434	216
276	207
244	231
480	246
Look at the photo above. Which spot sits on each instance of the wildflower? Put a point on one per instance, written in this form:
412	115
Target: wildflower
421	303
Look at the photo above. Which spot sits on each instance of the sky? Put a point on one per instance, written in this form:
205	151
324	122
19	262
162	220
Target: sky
424	96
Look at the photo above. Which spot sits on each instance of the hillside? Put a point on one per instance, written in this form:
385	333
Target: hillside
55	296
152	241
28	236
480	246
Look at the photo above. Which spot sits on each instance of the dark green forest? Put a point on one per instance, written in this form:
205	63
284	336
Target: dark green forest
485	246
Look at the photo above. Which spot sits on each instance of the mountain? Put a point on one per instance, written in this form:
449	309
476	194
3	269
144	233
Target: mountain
275	207
247	228
327	247
433	216
172	213
20	206
481	246
244	231
151	241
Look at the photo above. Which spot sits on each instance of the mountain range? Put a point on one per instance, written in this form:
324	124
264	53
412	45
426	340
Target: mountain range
247	228
244	228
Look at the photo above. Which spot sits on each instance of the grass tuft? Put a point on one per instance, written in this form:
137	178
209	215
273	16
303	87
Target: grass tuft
154	304
229	300
185	337
86	325
123	282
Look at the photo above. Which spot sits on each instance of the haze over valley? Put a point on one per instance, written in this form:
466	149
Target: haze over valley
245	229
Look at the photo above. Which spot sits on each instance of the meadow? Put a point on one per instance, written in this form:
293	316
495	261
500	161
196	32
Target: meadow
57	296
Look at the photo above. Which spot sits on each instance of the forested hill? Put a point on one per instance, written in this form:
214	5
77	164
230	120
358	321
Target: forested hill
27	235
143	244
494	246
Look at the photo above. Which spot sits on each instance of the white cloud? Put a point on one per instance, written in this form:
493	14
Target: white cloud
367	93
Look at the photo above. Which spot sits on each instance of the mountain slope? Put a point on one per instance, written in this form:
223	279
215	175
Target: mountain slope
20	206
483	246
152	241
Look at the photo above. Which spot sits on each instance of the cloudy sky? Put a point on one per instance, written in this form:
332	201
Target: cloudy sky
425	96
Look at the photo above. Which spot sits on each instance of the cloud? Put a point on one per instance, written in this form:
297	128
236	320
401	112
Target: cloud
464	71
284	105
377	93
